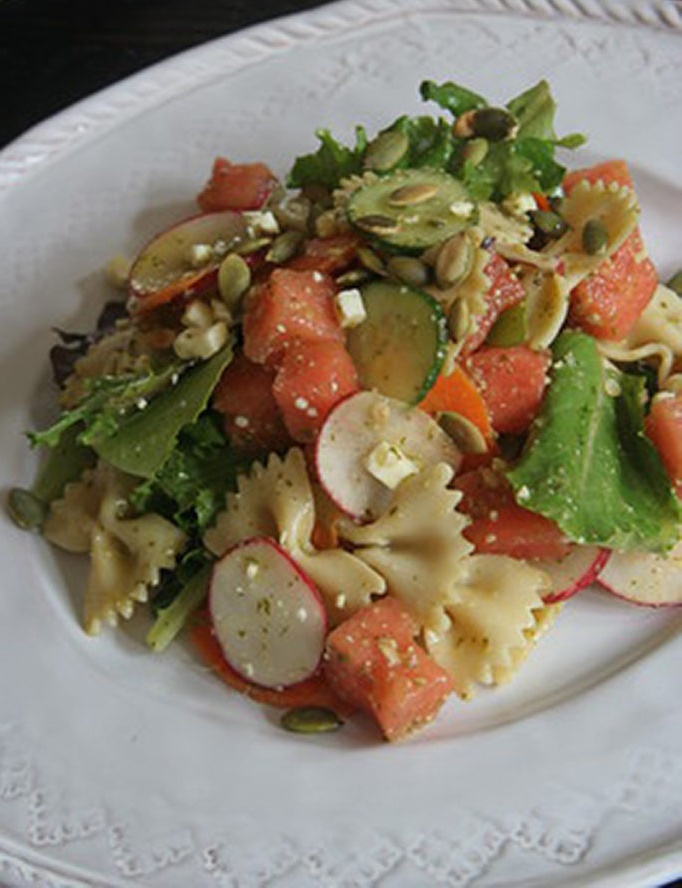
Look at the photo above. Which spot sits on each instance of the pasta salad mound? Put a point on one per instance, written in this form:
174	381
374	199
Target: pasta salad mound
359	435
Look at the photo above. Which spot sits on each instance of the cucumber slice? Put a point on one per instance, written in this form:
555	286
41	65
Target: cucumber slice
411	210
399	348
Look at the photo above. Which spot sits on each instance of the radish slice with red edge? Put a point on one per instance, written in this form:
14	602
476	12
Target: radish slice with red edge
573	572
183	258
351	432
644	578
267	615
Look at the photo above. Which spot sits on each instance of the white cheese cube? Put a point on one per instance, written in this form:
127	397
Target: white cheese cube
260	222
389	465
350	309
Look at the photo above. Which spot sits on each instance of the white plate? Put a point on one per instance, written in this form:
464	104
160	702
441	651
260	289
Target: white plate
119	766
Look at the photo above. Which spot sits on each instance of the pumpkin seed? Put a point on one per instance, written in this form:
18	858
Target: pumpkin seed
386	151
234	279
549	223
459	320
475	151
353	277
547	307
285	247
310	720
409	270
494	124
595	237
467	436
675	283
25	509
252	245
294	213
371	260
411	195
511	327
378	224
454	260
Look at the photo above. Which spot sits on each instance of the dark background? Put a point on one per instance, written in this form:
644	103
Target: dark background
54	52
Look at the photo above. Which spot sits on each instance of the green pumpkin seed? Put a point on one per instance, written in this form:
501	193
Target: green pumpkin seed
253	245
234	279
409	270
310	720
454	260
459	320
595	237
412	195
467	436
386	151
294	213
376	223
549	223
511	327
353	277
285	247
675	283
25	509
493	124
475	151
371	260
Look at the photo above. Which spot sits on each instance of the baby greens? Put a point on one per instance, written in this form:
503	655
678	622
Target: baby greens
523	162
588	464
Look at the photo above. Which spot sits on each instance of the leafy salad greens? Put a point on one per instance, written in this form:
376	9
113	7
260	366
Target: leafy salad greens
448	272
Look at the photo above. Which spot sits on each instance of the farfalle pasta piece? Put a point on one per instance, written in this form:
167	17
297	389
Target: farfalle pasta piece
345	581
547	304
127	555
417	544
421	580
495	612
660	322
277	501
506	228
422	509
71	519
613	205
273	500
544	619
656	338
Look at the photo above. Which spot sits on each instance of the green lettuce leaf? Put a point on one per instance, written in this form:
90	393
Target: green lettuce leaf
331	162
189	488
109	400
145	439
451	97
431	141
588	464
534	110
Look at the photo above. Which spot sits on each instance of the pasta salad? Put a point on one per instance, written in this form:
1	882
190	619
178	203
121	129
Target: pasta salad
359	435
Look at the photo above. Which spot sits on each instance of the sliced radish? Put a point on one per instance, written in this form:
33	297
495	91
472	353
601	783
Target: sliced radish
267	615
574	571
644	578
184	258
356	430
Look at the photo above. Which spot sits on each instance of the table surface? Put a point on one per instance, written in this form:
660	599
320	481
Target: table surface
53	53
